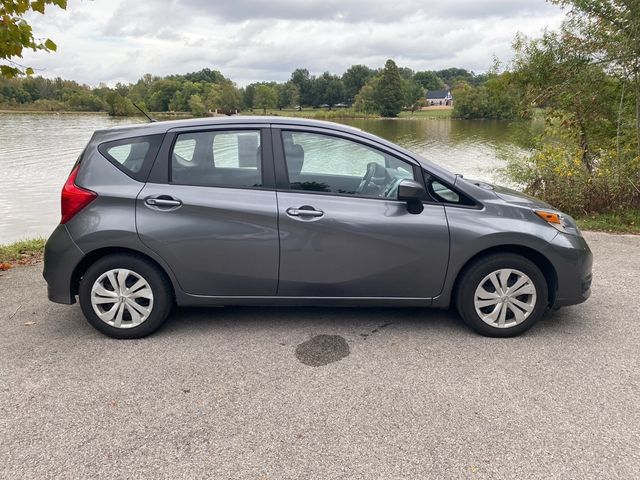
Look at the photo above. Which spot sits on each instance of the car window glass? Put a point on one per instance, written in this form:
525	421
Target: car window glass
130	155
217	158
444	193
325	163
184	148
236	149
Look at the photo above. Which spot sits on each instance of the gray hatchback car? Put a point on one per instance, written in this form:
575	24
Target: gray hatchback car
279	211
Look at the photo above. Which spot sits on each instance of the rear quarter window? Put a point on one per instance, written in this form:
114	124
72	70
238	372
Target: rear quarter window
134	156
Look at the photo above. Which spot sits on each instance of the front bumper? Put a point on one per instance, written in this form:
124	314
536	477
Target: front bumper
61	256
572	260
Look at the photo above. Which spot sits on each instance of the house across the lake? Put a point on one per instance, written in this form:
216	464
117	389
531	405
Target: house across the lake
439	98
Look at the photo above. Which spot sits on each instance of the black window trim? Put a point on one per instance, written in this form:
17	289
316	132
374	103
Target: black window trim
475	204
155	142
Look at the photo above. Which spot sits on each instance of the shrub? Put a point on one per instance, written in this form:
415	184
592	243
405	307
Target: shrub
557	173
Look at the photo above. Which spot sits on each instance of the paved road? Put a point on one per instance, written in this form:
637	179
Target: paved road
223	393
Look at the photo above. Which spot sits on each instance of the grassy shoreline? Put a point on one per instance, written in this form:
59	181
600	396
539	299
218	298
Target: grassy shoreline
22	252
30	251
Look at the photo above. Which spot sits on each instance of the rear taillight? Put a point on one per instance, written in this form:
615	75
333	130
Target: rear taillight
74	198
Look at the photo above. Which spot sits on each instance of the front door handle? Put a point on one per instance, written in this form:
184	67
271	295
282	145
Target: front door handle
304	211
163	201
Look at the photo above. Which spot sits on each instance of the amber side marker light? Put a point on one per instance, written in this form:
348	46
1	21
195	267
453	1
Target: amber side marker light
549	217
553	219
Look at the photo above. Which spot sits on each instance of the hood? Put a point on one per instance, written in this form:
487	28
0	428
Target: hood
513	196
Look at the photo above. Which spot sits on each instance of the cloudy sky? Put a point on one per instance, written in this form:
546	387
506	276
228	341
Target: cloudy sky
250	40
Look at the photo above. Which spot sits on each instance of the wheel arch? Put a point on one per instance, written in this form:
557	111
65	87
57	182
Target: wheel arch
537	258
95	255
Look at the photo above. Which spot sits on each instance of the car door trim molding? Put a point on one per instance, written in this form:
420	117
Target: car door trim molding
275	300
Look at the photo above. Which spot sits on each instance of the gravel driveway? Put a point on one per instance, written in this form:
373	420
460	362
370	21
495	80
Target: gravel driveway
323	393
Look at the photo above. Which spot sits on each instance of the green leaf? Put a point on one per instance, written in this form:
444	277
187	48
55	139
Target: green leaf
8	72
50	45
28	71
38	6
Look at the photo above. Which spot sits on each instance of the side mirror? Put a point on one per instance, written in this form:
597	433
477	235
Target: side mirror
413	193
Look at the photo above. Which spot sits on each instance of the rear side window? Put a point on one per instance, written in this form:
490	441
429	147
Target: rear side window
132	155
221	158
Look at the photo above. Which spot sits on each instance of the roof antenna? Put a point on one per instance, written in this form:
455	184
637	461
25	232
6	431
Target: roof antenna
144	113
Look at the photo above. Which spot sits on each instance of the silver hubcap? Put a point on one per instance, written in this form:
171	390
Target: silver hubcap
505	298
122	298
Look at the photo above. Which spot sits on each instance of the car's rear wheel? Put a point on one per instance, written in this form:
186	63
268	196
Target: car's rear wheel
125	296
502	295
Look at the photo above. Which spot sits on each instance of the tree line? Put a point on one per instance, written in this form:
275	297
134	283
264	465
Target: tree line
385	91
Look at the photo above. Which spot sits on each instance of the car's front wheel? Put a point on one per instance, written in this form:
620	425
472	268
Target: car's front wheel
502	295
125	296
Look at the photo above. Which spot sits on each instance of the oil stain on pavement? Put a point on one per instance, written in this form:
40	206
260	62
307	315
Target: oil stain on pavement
322	350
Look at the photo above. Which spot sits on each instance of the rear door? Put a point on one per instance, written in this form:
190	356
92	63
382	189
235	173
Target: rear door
209	210
343	233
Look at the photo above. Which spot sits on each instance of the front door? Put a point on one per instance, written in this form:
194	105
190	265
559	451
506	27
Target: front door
214	221
343	233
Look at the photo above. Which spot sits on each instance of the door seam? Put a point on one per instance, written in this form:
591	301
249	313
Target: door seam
275	190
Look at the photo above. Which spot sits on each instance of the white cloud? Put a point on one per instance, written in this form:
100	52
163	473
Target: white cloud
249	40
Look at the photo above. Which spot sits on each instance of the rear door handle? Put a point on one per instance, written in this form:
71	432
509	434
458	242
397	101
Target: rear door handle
304	212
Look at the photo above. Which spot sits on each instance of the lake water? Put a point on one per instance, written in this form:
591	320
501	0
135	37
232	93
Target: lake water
38	150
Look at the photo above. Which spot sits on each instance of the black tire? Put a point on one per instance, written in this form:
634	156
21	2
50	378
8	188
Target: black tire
475	273
157	280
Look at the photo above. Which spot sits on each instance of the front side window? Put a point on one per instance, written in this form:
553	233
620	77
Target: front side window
218	158
324	163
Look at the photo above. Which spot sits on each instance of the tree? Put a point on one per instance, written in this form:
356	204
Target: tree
301	78
205	75
607	31
413	94
429	80
388	92
248	95
161	93
16	34
566	82
229	100
265	97
354	79
196	105
288	95
500	98
365	99
118	106
328	90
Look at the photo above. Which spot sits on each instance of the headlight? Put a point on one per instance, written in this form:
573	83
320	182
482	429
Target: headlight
562	223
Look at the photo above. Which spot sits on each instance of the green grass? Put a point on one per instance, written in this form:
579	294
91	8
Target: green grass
438	113
627	221
23	251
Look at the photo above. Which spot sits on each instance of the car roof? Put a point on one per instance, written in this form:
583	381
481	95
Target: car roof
162	127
